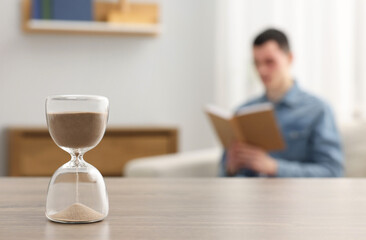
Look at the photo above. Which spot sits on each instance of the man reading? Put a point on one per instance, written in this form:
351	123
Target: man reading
313	147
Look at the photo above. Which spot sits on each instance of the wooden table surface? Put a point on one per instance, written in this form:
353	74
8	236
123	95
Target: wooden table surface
197	209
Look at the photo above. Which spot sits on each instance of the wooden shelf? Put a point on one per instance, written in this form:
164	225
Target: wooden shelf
52	26
100	26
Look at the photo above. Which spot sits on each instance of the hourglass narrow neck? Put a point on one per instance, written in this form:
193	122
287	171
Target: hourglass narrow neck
77	160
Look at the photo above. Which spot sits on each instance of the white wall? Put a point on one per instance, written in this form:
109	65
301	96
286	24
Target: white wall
162	80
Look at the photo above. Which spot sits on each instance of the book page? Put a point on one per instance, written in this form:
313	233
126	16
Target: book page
255	108
218	112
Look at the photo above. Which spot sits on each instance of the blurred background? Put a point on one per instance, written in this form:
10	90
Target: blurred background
200	54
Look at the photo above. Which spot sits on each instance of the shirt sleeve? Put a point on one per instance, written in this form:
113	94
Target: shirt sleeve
325	157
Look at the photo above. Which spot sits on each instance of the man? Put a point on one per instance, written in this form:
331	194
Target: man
313	146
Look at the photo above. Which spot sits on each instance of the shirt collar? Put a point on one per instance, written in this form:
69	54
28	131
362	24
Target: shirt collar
291	98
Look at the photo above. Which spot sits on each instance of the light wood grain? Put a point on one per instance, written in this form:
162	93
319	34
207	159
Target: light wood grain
197	209
33	153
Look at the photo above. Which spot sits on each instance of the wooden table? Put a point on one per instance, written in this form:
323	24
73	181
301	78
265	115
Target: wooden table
197	209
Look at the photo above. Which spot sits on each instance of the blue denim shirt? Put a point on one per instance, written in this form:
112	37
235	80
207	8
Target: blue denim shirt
313	145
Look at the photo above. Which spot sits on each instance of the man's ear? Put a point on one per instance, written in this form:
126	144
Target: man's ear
290	57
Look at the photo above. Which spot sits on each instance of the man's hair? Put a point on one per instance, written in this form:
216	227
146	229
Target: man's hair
275	35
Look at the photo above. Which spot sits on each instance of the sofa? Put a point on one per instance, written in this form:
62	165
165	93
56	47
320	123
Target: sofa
205	163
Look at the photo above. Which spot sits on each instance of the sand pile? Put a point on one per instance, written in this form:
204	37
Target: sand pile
77	212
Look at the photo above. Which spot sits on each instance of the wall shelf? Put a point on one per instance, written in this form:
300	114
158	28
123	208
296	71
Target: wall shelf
99	26
53	26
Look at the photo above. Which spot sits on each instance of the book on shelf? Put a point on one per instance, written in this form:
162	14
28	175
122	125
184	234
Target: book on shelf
36	9
255	125
76	10
46	9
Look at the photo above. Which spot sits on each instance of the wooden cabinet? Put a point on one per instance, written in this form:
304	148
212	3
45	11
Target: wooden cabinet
32	152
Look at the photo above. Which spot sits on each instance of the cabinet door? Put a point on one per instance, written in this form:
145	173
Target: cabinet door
33	153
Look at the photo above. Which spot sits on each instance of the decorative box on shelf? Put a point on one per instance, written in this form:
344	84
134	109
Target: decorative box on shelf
110	18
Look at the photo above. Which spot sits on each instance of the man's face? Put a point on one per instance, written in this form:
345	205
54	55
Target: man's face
272	63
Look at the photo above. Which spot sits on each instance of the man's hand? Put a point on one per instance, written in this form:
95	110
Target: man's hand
241	155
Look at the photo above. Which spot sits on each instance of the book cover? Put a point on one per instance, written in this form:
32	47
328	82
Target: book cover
36	9
46	6
255	125
77	10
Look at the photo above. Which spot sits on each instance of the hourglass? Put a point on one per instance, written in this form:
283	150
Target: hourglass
77	192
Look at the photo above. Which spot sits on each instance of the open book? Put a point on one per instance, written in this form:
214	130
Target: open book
255	125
